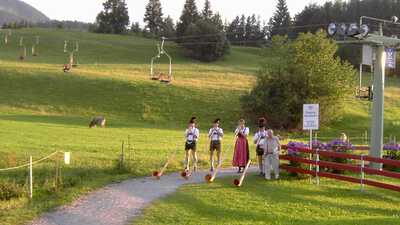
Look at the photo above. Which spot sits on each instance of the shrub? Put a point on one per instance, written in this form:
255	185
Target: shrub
10	190
393	155
297	73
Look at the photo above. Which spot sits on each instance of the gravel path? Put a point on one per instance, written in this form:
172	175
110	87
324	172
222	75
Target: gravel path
119	204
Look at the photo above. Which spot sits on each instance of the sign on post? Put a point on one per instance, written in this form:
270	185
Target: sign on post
311	117
391	58
311	122
67	158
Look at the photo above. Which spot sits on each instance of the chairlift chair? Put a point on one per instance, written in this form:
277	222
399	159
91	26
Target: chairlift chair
365	93
159	76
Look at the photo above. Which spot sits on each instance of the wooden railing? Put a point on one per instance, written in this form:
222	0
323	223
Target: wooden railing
358	168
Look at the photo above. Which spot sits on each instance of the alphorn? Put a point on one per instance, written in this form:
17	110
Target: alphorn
159	174
186	174
239	182
211	176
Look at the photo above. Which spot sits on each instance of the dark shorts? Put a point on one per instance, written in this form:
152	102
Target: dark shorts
260	151
215	146
190	146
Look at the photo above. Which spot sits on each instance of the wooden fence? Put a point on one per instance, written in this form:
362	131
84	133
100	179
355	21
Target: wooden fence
360	167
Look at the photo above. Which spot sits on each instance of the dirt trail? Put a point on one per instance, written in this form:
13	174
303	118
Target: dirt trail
119	204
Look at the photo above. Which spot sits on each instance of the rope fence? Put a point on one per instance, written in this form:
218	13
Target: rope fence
32	163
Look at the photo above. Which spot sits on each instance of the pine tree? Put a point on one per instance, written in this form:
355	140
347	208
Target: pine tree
280	22
242	29
114	18
233	30
189	17
135	28
153	17
207	12
205	37
168	28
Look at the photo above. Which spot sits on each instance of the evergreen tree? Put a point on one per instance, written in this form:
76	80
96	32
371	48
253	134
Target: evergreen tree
242	30
168	28
114	18
207	12
153	17
189	17
233	30
205	38
135	28
280	22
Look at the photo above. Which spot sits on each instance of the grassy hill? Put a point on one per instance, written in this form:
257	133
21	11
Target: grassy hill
43	110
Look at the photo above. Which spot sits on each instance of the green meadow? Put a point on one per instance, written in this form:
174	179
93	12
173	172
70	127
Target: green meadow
43	110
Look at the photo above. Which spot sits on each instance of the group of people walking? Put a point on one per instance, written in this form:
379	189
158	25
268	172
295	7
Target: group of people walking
268	147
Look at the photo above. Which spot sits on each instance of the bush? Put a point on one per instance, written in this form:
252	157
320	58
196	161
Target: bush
300	72
10	190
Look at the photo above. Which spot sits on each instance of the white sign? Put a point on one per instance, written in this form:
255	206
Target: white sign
67	158
391	58
311	117
367	56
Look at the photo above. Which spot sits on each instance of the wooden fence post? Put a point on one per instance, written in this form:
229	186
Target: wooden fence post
30	178
122	156
317	168
362	173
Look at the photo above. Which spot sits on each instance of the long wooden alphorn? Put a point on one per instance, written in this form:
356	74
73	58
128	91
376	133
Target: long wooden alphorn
239	182
159	174
211	177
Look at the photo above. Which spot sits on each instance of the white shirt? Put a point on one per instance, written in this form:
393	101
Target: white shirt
192	134
272	145
216	134
260	137
245	131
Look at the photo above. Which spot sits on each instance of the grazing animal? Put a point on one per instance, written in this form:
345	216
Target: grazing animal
66	68
98	121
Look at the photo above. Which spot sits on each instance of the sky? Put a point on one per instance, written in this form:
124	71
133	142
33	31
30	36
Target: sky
86	10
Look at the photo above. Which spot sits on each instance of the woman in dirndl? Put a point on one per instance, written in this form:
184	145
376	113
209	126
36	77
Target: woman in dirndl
241	155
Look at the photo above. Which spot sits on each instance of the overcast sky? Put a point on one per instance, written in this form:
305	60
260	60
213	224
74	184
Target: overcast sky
86	10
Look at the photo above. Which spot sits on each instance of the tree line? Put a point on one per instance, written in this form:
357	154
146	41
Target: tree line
197	30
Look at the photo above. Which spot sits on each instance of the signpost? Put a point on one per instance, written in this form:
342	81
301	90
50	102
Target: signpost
311	122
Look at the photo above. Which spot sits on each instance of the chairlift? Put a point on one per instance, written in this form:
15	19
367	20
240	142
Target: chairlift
159	76
365	93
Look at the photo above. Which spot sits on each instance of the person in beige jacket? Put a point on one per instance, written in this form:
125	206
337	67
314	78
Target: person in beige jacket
272	148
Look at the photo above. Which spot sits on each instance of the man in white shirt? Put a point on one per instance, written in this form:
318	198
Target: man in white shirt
272	148
215	135
192	136
259	141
